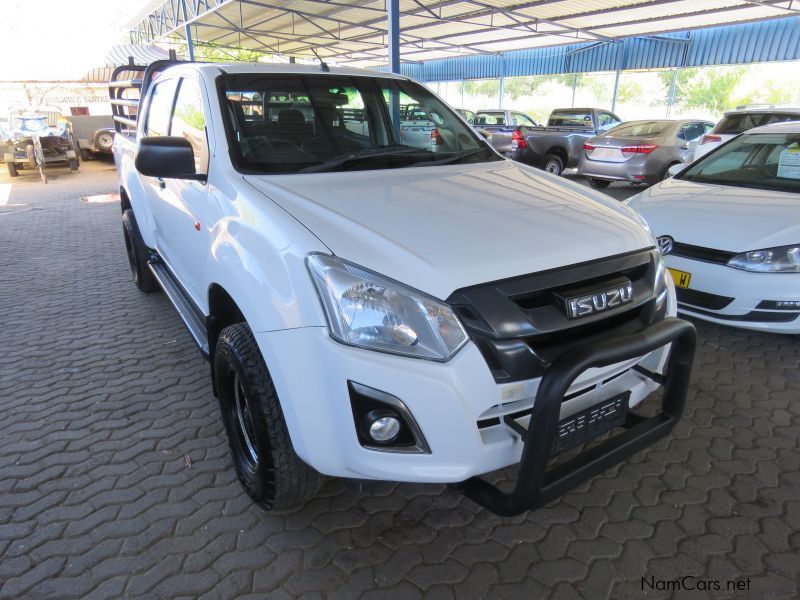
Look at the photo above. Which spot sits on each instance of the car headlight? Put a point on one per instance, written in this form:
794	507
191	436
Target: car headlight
371	311
784	259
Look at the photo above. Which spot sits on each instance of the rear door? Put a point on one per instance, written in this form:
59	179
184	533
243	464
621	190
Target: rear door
182	209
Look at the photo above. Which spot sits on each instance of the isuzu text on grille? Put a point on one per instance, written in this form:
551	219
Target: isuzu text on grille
600	301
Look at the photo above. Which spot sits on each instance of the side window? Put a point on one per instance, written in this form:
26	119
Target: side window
160	108
188	121
523	120
691	131
606	121
708	127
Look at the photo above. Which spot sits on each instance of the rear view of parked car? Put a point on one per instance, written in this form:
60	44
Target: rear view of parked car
740	120
639	151
728	227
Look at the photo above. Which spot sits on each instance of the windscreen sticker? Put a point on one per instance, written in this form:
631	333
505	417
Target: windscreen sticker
789	163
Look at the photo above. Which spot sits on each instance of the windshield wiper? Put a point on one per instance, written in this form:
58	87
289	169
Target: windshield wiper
366	154
448	160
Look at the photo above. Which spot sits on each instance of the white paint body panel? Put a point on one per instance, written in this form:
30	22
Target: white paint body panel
434	228
731	219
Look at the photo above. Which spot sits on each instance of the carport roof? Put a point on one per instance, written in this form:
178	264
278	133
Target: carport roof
355	33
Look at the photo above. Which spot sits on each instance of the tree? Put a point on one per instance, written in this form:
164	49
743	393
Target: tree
206	52
713	89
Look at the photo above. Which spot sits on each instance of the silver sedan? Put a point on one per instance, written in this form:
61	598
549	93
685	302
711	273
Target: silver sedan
640	151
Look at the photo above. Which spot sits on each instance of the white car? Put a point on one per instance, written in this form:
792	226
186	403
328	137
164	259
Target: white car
740	120
375	310
728	226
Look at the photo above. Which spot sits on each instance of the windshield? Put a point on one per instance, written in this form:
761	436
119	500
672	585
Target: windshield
641	129
314	123
768	161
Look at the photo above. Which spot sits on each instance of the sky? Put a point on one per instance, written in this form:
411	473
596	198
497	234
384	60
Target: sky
62	39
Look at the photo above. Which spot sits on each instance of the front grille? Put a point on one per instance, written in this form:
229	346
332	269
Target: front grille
520	324
720	257
702	299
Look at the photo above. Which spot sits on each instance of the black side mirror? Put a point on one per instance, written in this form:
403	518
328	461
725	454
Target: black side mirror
168	157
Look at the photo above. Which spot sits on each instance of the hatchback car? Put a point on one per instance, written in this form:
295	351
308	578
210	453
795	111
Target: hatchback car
728	226
740	120
639	151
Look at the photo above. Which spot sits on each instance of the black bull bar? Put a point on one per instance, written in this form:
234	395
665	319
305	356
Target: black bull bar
536	485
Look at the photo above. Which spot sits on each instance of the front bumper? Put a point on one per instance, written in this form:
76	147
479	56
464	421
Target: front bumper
741	295
536	484
451	403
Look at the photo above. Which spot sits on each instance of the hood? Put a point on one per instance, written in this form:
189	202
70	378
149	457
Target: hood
439	229
721	217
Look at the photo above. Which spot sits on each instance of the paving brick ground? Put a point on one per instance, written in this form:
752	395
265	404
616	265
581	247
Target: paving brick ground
103	397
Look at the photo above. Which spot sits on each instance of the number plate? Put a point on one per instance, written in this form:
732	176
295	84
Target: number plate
588	424
681	278
605	153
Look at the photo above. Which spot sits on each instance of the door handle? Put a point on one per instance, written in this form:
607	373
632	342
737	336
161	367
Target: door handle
161	183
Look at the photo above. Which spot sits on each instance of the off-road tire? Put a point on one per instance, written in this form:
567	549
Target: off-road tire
553	164
12	169
599	184
274	477
137	254
73	165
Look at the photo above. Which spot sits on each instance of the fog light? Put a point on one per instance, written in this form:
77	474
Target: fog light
383	428
787	304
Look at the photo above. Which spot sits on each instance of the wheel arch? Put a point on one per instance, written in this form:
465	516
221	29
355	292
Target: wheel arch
560	152
124	200
222	312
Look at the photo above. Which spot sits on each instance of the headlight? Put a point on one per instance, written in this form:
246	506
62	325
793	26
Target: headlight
785	259
368	310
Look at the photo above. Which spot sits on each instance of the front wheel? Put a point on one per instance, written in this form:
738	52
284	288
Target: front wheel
553	164
73	165
599	184
12	169
267	466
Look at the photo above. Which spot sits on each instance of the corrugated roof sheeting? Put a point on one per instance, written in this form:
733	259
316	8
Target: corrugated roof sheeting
738	44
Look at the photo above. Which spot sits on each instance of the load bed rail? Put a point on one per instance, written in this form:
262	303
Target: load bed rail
127	86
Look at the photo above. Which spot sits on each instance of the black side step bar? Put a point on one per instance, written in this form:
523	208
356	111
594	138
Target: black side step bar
189	313
536	485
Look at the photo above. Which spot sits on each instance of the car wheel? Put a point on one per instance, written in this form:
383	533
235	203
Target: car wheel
553	164
599	184
665	174
103	140
12	169
84	154
267	466
137	254
73	165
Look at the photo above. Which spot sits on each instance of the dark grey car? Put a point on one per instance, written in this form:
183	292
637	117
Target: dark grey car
640	151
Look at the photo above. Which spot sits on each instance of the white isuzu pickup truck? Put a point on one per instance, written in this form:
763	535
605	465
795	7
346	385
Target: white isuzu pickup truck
373	308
